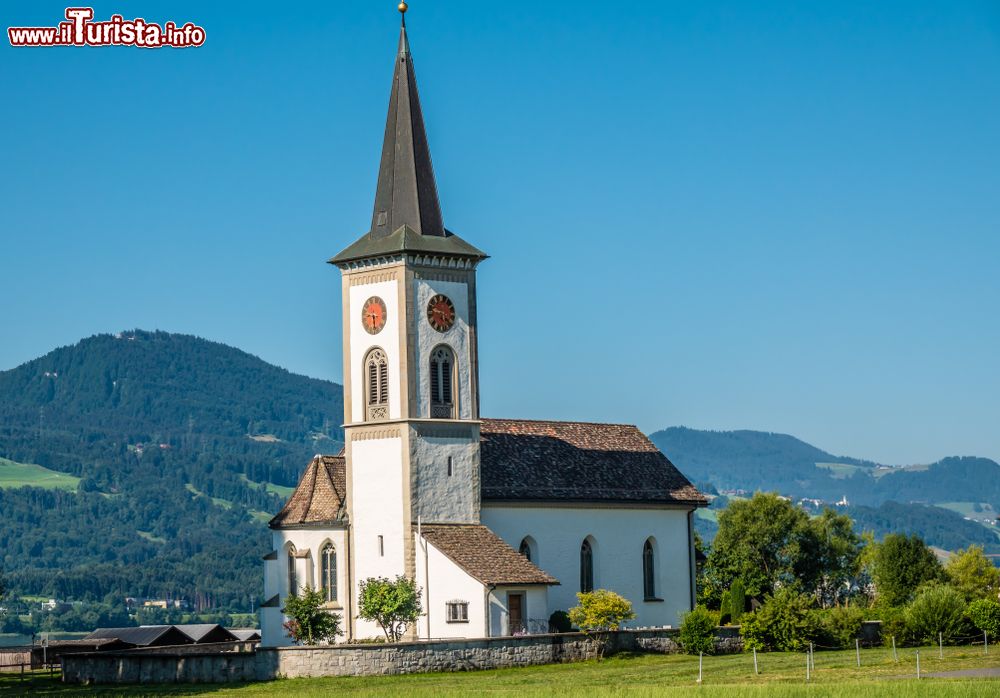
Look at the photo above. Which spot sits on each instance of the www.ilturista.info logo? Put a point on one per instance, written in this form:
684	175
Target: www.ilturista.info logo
80	30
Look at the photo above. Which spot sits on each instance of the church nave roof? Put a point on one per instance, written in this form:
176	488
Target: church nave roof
527	460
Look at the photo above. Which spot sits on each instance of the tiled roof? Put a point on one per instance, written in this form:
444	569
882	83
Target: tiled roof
574	461
319	497
483	554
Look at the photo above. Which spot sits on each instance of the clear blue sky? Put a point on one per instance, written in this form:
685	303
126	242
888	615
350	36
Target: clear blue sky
761	215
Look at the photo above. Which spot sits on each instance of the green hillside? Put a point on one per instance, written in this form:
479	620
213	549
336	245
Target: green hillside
14	475
932	500
131	468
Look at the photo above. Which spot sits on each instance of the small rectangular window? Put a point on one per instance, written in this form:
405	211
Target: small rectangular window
381	546
458	611
449	466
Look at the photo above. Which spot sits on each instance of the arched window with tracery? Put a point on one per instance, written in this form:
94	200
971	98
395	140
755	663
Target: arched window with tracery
648	570
442	383
586	566
377	385
293	579
328	572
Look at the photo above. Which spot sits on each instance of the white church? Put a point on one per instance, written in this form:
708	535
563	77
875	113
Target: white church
500	521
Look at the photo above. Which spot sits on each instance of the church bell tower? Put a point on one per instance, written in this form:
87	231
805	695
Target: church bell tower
411	388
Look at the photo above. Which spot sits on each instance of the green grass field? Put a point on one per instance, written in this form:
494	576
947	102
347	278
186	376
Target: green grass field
782	674
13	474
280	490
840	471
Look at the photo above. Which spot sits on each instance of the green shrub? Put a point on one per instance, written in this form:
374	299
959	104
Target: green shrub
698	631
893	624
559	622
985	615
725	609
600	612
784	622
737	601
936	609
308	622
840	625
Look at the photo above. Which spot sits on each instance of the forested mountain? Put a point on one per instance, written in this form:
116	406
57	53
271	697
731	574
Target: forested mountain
178	442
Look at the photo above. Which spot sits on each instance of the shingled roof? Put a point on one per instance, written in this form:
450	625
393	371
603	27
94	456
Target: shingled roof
319	497
483	554
573	461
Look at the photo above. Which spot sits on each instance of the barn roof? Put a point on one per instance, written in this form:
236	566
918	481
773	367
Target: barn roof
144	635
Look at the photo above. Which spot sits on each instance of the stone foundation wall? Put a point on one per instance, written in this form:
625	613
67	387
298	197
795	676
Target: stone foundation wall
365	660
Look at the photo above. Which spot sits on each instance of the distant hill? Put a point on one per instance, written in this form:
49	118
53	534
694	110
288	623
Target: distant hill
180	444
885	499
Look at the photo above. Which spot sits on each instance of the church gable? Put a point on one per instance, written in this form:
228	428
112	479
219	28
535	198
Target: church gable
573	461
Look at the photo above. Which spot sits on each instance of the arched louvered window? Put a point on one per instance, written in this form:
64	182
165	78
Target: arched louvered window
525	549
648	570
586	566
293	580
377	385
442	383
328	571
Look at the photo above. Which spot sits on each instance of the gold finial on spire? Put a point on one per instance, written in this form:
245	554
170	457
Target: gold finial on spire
403	7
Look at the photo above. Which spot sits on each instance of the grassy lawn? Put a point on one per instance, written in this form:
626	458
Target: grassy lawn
14	474
782	674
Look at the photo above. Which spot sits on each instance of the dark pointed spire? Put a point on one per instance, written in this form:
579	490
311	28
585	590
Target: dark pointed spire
407	215
406	193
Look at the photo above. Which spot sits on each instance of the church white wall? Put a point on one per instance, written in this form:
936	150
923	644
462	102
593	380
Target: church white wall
443	581
619	535
377	510
438	497
457	338
361	342
535	610
308	571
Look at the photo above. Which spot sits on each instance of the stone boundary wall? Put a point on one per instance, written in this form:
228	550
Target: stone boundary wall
365	660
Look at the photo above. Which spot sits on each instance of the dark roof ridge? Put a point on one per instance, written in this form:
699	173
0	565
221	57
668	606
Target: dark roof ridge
559	421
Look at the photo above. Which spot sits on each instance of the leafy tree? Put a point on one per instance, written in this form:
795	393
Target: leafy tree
837	550
767	542
309	623
393	604
972	573
600	612
784	622
697	632
902	564
938	608
985	615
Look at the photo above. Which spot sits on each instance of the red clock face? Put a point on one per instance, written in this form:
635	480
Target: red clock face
441	313
373	315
